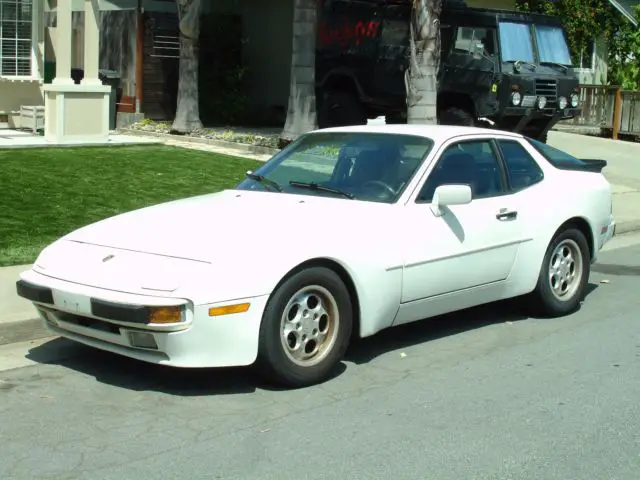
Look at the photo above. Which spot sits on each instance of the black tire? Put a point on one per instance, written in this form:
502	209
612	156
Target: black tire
340	109
543	299
456	116
273	359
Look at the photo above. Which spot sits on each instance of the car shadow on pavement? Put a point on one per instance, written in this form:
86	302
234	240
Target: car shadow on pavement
398	338
123	372
131	374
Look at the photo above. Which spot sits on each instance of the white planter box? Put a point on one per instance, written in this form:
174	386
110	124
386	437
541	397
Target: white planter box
32	118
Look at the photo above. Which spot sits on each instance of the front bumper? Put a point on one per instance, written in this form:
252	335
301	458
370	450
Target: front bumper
521	119
117	322
535	113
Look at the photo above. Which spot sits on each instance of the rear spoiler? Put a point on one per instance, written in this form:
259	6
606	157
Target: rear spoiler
593	165
587	165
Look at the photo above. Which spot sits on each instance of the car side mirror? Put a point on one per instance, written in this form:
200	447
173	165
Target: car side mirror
446	195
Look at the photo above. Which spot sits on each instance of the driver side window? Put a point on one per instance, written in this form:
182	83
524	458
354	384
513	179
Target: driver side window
472	163
466	37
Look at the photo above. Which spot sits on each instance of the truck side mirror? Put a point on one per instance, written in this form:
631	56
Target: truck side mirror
477	50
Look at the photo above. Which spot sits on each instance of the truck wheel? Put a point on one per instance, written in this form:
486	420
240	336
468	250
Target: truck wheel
340	109
456	116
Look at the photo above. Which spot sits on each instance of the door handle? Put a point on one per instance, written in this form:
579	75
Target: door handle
505	214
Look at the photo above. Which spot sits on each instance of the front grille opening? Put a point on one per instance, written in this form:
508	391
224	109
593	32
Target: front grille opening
88	322
547	88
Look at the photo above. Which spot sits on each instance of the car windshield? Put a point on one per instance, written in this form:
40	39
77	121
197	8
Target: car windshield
555	157
372	167
516	43
552	45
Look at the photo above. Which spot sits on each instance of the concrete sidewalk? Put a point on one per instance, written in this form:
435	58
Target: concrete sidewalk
623	171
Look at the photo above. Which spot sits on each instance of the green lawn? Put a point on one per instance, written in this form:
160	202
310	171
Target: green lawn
46	193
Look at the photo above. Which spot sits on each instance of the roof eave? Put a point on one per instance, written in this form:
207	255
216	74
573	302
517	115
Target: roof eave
628	15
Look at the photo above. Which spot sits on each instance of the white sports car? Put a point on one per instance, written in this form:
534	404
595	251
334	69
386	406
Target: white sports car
347	231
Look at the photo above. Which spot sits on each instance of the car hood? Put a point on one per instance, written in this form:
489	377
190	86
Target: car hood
228	245
211	227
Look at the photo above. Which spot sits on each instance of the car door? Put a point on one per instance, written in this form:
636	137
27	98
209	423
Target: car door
469	245
531	195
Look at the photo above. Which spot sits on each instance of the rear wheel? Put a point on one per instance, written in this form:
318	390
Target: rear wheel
305	328
340	109
563	275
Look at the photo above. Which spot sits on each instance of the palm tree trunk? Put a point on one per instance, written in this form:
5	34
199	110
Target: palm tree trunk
421	78
187	116
301	111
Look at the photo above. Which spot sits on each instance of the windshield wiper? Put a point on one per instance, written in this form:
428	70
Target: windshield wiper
554	64
322	188
264	181
517	63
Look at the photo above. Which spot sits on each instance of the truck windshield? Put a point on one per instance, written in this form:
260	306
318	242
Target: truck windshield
515	42
552	45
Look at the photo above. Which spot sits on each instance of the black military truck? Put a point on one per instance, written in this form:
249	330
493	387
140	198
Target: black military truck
502	68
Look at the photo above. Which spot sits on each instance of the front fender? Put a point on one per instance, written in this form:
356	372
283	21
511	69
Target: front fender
377	282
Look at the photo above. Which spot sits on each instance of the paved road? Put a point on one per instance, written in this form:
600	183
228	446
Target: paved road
482	395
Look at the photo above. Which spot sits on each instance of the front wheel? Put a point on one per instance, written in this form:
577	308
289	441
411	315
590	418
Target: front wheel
305	328
564	274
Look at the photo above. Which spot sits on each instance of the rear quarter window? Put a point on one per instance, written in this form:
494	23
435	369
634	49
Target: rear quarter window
522	168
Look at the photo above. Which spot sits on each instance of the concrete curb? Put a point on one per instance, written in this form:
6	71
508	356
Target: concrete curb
627	227
239	147
82	145
23	331
579	129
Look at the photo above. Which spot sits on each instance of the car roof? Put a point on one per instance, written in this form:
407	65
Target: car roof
437	133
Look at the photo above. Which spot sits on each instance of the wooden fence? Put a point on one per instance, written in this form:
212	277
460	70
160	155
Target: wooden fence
609	108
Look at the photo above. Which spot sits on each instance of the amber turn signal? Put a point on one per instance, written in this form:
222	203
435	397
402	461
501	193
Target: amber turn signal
229	309
161	315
